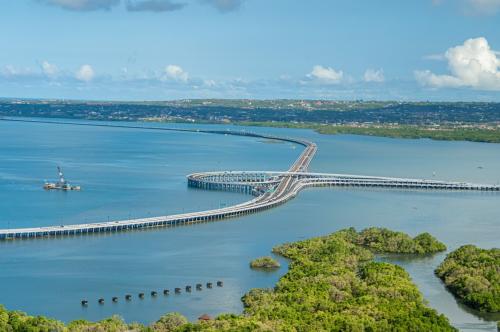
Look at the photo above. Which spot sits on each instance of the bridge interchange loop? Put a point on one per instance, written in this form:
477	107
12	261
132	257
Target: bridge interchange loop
269	189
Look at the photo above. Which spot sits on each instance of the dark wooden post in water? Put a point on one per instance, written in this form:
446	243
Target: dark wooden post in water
128	297
85	303
198	286
188	288
153	293
209	285
220	283
141	295
101	301
114	299
177	290
166	292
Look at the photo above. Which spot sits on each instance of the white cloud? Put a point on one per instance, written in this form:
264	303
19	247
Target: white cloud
130	5
140	5
9	70
225	5
210	83
174	72
326	74
473	7
473	64
83	5
13	71
434	57
153	6
49	70
484	7
374	75
85	73
285	77
427	78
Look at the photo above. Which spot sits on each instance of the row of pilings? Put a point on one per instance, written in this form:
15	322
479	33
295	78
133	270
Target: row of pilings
153	294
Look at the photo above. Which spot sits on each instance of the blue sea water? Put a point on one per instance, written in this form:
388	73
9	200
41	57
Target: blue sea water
138	172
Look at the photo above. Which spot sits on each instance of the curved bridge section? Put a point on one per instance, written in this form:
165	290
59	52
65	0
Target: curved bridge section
268	188
254	182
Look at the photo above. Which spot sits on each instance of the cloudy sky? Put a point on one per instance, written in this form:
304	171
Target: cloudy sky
328	49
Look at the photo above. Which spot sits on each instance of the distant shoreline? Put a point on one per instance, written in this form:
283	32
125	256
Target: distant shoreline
480	133
448	121
441	133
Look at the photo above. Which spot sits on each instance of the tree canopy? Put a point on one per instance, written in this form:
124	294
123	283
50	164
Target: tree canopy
266	262
473	275
333	284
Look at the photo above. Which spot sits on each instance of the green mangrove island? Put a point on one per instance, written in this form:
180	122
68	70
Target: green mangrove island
333	284
266	262
383	240
473	275
476	133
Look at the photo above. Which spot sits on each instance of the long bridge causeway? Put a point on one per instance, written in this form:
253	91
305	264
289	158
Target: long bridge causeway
268	188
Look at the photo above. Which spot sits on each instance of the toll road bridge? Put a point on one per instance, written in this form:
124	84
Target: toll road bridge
269	188
250	182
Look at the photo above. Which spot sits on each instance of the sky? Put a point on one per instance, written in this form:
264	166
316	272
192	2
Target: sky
438	50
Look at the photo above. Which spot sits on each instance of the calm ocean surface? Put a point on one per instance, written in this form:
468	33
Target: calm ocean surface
135	173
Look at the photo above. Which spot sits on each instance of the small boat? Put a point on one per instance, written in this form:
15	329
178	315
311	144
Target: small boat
62	184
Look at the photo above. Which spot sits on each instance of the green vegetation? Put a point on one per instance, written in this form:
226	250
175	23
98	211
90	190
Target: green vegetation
333	284
486	134
169	322
414	132
382	240
473	275
15	321
18	321
266	262
113	324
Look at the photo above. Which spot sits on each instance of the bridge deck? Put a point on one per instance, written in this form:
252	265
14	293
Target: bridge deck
271	189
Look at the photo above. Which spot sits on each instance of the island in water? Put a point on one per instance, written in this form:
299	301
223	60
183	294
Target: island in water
333	284
473	275
266	262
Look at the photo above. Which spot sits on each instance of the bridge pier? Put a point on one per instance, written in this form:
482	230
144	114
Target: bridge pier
270	189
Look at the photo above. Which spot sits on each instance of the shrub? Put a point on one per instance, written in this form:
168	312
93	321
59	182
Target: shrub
473	275
266	262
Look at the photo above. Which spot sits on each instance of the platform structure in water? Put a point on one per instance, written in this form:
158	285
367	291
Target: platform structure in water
62	184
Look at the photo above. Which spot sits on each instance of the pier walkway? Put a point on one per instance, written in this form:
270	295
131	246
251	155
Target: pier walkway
269	188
